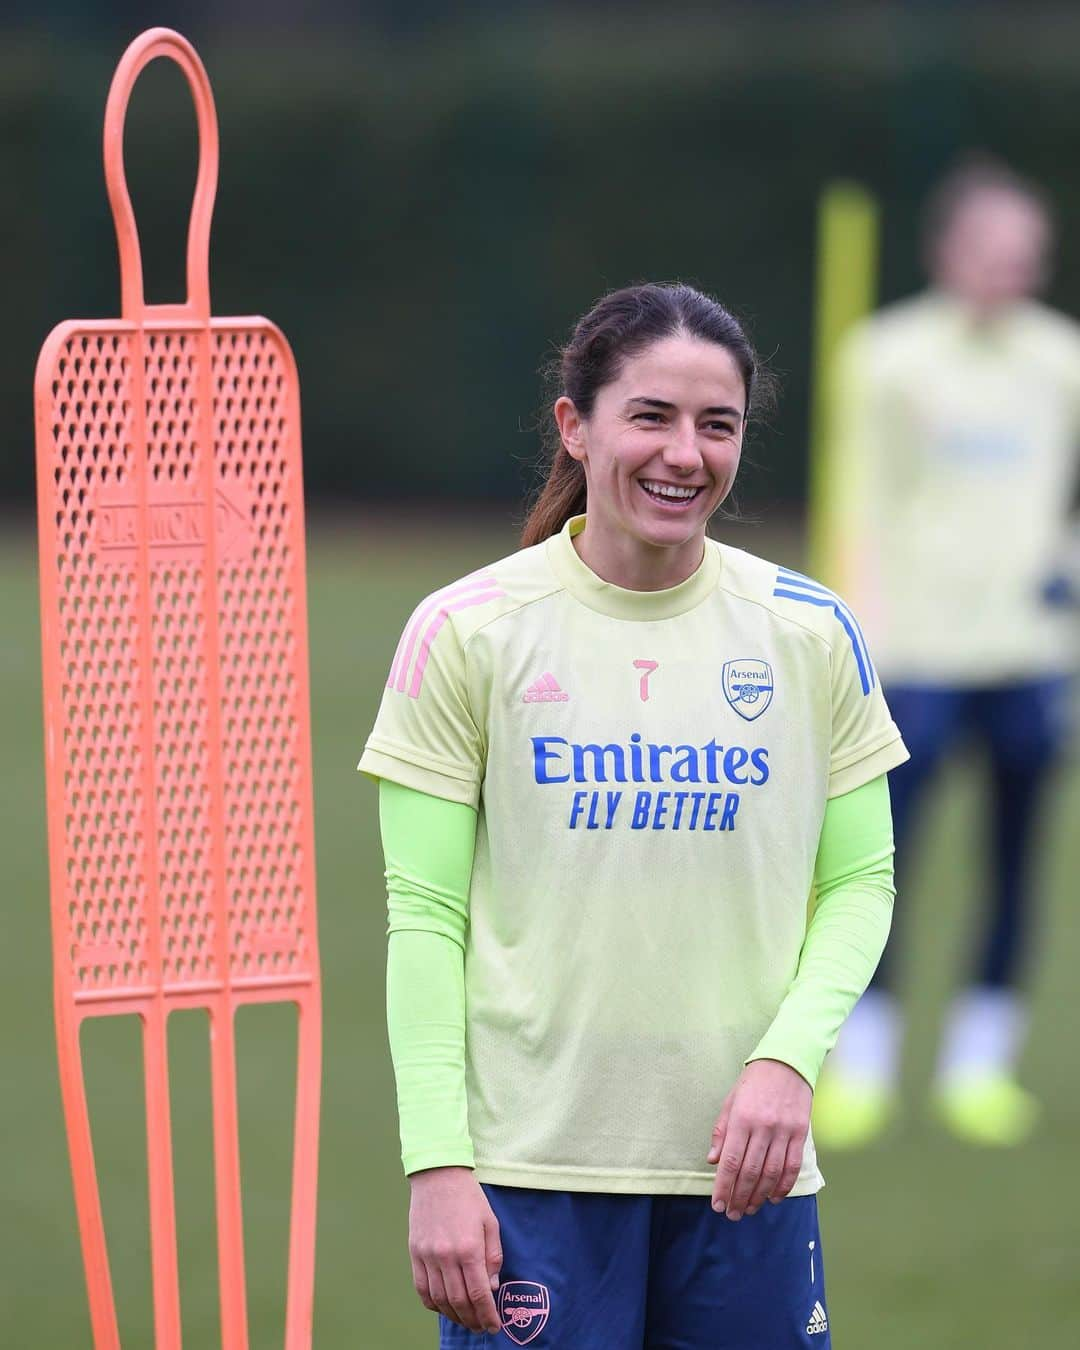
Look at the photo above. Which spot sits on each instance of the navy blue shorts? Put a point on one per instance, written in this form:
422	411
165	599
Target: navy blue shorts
652	1272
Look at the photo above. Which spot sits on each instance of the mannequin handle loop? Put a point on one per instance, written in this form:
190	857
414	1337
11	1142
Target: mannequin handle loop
154	43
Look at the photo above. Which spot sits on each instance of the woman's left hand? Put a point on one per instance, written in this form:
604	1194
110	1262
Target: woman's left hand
758	1141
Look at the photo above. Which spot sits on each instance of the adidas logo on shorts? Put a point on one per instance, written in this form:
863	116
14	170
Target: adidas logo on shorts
818	1321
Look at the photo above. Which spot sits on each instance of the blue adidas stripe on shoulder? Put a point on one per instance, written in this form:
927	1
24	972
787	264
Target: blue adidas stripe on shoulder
794	586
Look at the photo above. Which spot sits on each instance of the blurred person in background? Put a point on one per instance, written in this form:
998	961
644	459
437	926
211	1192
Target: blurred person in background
958	417
611	767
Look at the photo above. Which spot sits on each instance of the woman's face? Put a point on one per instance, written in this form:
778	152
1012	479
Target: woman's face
660	449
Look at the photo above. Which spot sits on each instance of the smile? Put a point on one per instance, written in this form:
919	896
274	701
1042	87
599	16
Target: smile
669	493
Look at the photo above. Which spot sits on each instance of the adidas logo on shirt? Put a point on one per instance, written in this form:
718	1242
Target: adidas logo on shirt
545	690
818	1321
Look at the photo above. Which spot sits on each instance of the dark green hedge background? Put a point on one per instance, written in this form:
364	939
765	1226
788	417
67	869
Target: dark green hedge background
425	216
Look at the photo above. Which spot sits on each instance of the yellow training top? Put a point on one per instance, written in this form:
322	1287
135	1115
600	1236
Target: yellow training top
958	444
650	771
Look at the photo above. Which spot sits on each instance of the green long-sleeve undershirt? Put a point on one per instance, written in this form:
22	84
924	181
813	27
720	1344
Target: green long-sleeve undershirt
428	845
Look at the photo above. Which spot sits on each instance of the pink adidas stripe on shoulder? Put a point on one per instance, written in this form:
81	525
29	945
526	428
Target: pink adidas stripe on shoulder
445	610
423	612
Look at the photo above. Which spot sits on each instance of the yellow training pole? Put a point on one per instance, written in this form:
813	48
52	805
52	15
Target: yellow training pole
845	291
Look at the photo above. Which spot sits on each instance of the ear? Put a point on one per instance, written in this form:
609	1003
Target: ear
571	427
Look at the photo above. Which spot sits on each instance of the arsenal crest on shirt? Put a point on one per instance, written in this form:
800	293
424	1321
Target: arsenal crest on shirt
748	686
523	1309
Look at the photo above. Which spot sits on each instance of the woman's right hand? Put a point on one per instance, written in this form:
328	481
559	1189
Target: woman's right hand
454	1247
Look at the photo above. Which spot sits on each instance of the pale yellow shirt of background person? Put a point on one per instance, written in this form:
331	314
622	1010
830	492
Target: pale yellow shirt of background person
958	440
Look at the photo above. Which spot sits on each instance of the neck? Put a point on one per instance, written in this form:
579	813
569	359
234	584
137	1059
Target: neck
980	313
637	566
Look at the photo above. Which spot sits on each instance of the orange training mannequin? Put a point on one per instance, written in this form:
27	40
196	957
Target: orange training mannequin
177	733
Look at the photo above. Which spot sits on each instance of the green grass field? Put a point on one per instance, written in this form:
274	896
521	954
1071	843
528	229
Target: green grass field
927	1243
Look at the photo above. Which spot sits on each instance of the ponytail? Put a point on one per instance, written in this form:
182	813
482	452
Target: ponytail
561	497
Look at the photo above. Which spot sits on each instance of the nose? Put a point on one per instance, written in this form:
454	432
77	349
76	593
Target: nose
681	452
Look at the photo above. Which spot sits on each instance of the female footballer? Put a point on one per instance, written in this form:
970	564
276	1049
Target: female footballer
613	767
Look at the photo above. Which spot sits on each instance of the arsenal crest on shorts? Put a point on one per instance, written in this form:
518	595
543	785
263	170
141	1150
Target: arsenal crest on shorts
523	1309
748	686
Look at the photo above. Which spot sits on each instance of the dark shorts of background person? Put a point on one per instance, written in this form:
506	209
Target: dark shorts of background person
1023	728
637	1272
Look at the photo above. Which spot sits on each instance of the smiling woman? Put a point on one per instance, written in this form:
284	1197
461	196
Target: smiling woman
652	395
612	767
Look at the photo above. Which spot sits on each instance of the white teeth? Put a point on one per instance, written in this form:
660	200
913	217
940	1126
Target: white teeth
669	490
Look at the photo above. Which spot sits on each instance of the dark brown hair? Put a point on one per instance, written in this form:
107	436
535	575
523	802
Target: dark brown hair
621	324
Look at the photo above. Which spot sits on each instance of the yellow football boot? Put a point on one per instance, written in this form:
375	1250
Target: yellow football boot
851	1112
988	1109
